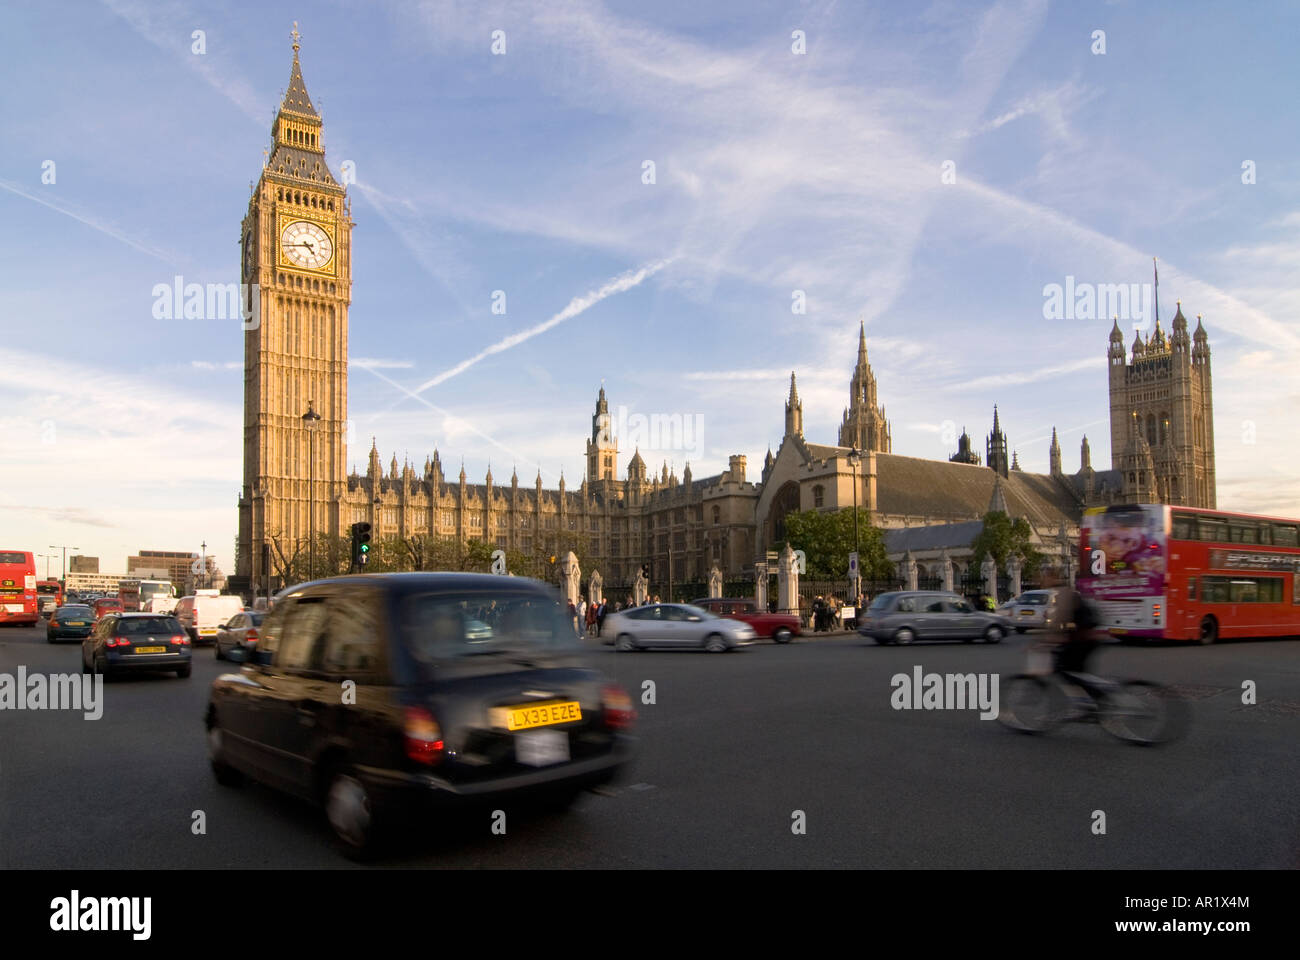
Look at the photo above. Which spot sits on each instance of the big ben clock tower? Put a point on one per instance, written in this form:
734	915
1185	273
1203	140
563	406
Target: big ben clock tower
296	246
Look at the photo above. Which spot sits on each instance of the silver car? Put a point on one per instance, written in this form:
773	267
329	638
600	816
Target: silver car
1032	608
677	626
908	615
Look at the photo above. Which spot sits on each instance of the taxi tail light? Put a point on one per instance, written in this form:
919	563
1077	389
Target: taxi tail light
251	636
422	737
617	706
179	640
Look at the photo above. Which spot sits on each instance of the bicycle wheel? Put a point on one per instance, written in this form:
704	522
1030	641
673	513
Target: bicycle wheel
1142	713
1031	704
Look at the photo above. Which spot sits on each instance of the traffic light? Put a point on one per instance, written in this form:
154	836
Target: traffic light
360	545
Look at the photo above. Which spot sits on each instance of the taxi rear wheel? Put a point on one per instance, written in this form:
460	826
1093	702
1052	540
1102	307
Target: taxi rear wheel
782	635
624	644
715	644
350	809
904	636
225	775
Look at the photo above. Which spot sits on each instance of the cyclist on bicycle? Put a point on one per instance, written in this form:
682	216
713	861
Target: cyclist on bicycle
1072	634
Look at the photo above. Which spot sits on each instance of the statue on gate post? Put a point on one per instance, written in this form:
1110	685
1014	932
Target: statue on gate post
1013	573
640	588
946	567
760	587
596	587
909	570
989	571
715	583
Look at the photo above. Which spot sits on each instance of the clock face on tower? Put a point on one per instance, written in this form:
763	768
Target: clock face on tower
307	245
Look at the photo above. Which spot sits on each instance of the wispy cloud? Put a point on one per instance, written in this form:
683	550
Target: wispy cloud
373	363
1029	376
95	223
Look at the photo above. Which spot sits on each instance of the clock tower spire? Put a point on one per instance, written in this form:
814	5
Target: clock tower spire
296	241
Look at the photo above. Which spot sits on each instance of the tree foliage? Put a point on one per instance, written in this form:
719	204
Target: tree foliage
826	538
1001	537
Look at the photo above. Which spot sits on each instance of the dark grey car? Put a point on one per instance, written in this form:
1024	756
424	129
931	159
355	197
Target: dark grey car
907	615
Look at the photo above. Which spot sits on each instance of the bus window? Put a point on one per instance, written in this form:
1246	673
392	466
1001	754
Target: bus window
1284	535
1191	588
1212	529
1241	590
1243	533
1184	526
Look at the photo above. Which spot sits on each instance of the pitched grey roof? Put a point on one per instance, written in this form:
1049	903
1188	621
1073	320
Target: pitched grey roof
916	539
940	489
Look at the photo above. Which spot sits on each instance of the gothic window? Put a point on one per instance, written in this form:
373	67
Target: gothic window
819	496
1164	427
573	523
1151	429
717	516
476	522
524	522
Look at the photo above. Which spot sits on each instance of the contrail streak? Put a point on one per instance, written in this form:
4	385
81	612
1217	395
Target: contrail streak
578	305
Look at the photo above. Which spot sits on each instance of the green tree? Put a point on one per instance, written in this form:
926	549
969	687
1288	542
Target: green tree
826	538
999	538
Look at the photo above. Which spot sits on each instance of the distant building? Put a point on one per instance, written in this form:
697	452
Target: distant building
79	564
174	565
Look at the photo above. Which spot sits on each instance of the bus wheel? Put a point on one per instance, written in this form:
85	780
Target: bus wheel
1209	630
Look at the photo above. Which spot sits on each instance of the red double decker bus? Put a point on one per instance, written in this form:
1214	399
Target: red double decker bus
1179	573
18	587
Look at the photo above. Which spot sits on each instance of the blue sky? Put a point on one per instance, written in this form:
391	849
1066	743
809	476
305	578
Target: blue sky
775	172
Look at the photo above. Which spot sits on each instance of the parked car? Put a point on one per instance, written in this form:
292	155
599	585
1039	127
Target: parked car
1031	609
781	627
240	631
69	620
203	613
445	713
678	626
906	615
106	605
136	641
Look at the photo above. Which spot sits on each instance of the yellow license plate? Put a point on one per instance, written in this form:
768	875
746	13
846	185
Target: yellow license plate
527	716
150	649
74	623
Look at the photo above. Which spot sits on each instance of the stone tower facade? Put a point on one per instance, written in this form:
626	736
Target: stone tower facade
1162	415
864	425
296	241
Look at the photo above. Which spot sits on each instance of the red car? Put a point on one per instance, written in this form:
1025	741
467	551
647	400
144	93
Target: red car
106	606
779	626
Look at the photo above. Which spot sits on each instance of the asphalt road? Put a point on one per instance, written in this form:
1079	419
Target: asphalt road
732	747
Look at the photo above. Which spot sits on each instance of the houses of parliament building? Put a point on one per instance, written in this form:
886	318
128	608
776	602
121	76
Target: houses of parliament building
297	257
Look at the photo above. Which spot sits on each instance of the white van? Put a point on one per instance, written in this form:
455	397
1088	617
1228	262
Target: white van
205	613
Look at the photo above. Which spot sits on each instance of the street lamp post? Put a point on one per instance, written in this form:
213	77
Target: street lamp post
310	419
855	458
55	546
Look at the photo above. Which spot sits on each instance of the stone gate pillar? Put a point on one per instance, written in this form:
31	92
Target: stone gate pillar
640	588
571	578
946	567
909	570
596	587
787	582
760	586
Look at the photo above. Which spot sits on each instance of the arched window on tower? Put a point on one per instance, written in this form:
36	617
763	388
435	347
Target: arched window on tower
819	496
717	515
1151	429
1164	427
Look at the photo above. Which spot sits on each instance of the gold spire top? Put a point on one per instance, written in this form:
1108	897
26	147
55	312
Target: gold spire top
296	36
